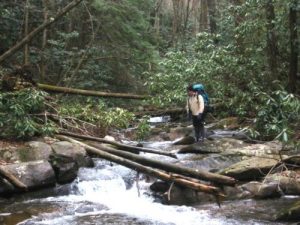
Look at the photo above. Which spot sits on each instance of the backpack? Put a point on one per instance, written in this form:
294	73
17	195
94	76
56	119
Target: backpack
200	89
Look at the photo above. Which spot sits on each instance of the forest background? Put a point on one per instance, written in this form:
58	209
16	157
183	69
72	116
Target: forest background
245	52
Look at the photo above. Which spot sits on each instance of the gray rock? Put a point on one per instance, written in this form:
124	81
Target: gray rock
187	140
262	190
250	169
288	181
65	168
74	151
34	174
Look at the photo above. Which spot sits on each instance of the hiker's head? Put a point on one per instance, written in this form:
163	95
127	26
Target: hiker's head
190	90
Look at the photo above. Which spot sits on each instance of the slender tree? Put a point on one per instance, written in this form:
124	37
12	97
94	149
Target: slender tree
294	45
272	48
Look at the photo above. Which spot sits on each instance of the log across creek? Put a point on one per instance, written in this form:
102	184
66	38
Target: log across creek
181	175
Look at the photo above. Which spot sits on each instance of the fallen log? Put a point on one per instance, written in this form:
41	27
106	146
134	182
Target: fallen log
169	167
195	173
12	179
66	90
129	148
197	186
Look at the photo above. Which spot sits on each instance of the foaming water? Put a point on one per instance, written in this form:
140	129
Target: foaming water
106	187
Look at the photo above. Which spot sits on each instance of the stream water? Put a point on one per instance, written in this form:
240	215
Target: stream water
109	194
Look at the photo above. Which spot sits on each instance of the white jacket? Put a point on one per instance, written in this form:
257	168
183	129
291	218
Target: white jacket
195	104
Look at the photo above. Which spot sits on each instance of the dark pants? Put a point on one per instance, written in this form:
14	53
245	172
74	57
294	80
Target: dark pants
199	127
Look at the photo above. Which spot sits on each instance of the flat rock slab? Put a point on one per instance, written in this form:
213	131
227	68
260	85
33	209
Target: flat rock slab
250	169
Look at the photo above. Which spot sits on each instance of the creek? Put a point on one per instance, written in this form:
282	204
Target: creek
109	194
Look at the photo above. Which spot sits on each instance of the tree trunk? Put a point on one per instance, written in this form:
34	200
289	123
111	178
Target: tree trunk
36	31
212	16
26	21
203	23
197	186
44	42
169	167
272	49
58	89
129	148
294	45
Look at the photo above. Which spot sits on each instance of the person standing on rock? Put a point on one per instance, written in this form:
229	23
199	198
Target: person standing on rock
196	111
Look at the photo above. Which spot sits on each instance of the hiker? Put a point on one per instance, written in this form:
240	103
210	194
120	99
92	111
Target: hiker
196	111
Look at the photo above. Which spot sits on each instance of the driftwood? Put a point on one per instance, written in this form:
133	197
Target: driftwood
129	148
57	89
11	178
197	186
37	30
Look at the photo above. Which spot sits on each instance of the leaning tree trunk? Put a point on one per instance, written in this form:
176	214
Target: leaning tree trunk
36	31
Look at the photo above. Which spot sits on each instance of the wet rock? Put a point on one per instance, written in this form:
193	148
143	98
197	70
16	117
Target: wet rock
159	186
268	149
250	169
187	140
5	186
178	132
65	168
177	195
198	148
262	190
34	174
290	213
72	150
288	181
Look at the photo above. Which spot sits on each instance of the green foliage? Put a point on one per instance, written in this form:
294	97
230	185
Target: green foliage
98	113
277	116
18	112
143	129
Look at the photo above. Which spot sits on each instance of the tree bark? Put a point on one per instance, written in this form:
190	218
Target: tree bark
129	148
272	49
197	186
169	167
58	89
40	28
211	4
26	47
44	42
294	45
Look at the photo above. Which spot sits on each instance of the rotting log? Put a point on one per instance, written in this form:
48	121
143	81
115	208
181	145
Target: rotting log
58	89
12	179
197	186
129	148
195	173
37	30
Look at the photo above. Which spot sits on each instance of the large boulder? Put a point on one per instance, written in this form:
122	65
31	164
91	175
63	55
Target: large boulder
287	181
65	168
262	190
250	169
34	174
30	151
73	151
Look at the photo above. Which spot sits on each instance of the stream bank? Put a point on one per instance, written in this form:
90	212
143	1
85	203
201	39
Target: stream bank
259	198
